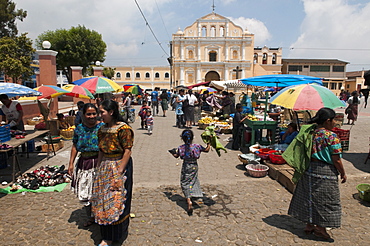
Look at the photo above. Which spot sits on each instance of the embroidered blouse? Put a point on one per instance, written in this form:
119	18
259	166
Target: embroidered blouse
86	139
190	153
115	140
325	143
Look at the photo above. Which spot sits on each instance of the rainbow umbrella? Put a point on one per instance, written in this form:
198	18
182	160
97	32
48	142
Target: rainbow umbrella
306	97
48	91
97	85
133	88
209	89
77	91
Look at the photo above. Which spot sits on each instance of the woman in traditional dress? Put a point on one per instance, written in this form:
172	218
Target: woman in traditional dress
164	102
85	141
352	109
316	199
112	188
190	152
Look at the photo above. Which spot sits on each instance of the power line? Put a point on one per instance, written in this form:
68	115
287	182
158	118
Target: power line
351	49
165	28
147	23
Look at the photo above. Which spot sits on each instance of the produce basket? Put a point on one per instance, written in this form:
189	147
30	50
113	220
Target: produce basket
276	158
248	158
263	153
257	170
32	122
364	191
67	135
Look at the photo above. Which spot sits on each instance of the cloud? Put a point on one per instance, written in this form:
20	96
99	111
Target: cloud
335	29
258	28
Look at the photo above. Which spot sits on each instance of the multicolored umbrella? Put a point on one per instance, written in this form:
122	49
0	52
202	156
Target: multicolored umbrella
133	88
48	91
209	89
77	91
306	97
97	85
12	90
281	80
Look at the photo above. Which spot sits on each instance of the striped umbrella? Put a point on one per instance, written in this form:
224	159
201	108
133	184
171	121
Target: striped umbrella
97	85
78	91
306	97
48	91
133	88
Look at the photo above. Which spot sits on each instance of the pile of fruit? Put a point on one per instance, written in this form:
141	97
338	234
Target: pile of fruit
252	117
205	120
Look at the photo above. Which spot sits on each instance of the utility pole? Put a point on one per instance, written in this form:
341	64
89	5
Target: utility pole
170	61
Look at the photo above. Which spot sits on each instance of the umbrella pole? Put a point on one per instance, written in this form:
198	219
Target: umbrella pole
296	114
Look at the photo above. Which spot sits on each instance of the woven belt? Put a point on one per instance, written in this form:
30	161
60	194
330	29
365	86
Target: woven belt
190	160
113	155
89	153
121	220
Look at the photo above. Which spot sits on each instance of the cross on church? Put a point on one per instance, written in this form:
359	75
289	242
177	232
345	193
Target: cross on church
237	70
213	6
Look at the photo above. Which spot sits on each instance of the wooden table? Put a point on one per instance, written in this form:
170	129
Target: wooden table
258	125
15	143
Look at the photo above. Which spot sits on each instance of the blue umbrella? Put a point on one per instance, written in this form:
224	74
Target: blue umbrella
12	90
281	80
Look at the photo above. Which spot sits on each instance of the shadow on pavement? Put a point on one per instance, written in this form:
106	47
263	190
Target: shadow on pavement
358	161
356	196
290	224
180	201
79	218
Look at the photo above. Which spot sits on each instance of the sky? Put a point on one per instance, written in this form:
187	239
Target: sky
318	29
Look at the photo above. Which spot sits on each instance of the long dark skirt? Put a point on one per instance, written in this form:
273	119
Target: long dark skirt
189	113
316	199
190	184
118	229
353	113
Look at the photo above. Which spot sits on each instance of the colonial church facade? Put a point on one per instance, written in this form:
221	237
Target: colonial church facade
212	48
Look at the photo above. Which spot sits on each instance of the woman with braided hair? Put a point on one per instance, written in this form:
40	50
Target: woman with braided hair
190	153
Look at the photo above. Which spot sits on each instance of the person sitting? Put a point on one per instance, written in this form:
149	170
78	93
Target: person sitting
62	123
290	133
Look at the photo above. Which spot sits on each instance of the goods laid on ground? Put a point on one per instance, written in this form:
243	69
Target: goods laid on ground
257	170
222	126
364	191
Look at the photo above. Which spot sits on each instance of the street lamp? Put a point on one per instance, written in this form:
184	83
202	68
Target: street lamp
97	63
46	45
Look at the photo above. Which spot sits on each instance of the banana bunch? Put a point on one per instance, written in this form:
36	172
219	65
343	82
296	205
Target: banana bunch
205	120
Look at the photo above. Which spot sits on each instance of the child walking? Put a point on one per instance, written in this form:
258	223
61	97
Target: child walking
149	121
142	113
190	153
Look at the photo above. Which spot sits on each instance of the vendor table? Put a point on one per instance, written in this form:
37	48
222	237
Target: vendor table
258	125
15	143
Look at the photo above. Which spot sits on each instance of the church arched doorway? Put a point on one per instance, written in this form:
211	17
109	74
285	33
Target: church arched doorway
212	76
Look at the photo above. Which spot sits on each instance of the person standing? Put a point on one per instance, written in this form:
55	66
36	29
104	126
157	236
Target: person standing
174	101
238	126
85	142
112	187
12	113
352	109
180	121
226	104
190	153
154	97
142	113
316	198
164	102
78	119
189	110
149	122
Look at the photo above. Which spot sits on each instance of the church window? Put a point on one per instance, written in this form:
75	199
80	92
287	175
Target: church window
222	30
264	58
118	75
274	58
191	54
128	75
213	31
212	56
137	75
204	31
166	75
147	75
255	58
235	55
156	75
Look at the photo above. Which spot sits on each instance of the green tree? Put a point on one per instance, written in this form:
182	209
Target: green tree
8	16
16	57
77	46
109	72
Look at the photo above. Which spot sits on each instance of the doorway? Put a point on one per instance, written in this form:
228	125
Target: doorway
212	76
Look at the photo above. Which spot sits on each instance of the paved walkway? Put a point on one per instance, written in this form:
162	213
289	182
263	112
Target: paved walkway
237	210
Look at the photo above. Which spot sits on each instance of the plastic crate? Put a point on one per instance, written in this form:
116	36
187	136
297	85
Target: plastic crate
345	145
342	134
31	145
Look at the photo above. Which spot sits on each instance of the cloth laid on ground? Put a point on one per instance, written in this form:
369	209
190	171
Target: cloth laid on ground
298	153
209	135
58	187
